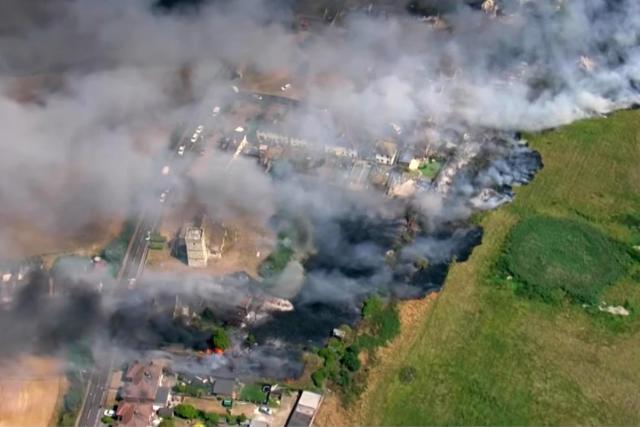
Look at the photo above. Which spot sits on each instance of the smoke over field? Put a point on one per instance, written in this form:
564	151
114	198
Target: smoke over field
91	90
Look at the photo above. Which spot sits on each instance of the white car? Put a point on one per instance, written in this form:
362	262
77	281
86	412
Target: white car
199	129
163	196
132	282
109	413
181	150
165	170
285	87
147	236
239	129
194	138
235	89
258	97
265	410
216	111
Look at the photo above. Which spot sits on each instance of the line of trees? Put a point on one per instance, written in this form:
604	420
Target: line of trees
341	363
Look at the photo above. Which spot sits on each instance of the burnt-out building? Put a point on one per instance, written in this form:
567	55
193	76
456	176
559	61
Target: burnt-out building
202	240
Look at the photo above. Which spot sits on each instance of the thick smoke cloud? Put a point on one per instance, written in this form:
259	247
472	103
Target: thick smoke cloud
90	92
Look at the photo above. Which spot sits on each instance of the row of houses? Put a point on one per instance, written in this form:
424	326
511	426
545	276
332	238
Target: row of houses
385	151
142	394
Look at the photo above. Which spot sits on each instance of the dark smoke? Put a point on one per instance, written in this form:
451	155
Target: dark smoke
91	90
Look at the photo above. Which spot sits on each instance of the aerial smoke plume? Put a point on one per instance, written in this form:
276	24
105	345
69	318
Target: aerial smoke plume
90	92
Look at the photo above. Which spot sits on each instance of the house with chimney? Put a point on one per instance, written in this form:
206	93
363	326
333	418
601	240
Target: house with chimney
131	414
386	152
142	394
141	382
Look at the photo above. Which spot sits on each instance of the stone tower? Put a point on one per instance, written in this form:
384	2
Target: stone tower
197	253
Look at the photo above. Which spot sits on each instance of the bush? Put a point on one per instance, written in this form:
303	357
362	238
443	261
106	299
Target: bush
158	246
371	307
382	321
157	238
186	411
407	374
167	422
319	377
211	418
277	260
109	421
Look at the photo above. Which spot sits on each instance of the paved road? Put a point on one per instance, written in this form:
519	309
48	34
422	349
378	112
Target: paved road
131	269
92	407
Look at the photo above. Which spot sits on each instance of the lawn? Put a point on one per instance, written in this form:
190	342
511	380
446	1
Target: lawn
485	355
277	260
431	169
253	393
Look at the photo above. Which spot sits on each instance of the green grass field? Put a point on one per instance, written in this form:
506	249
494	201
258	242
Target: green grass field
485	355
555	258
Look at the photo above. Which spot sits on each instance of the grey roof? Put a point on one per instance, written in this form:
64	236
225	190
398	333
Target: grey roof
163	395
299	419
165	412
224	386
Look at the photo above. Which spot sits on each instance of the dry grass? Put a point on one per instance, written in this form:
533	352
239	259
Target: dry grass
29	392
332	413
247	245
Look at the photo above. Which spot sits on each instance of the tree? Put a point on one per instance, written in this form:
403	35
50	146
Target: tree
220	339
186	411
241	418
211	418
107	420
350	359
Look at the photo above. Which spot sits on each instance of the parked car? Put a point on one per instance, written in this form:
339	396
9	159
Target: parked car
265	410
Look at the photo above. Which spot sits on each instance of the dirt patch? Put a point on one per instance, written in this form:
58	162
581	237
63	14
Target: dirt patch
332	413
29	391
247	244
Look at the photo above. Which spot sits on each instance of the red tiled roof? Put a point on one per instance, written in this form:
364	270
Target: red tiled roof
134	414
141	381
